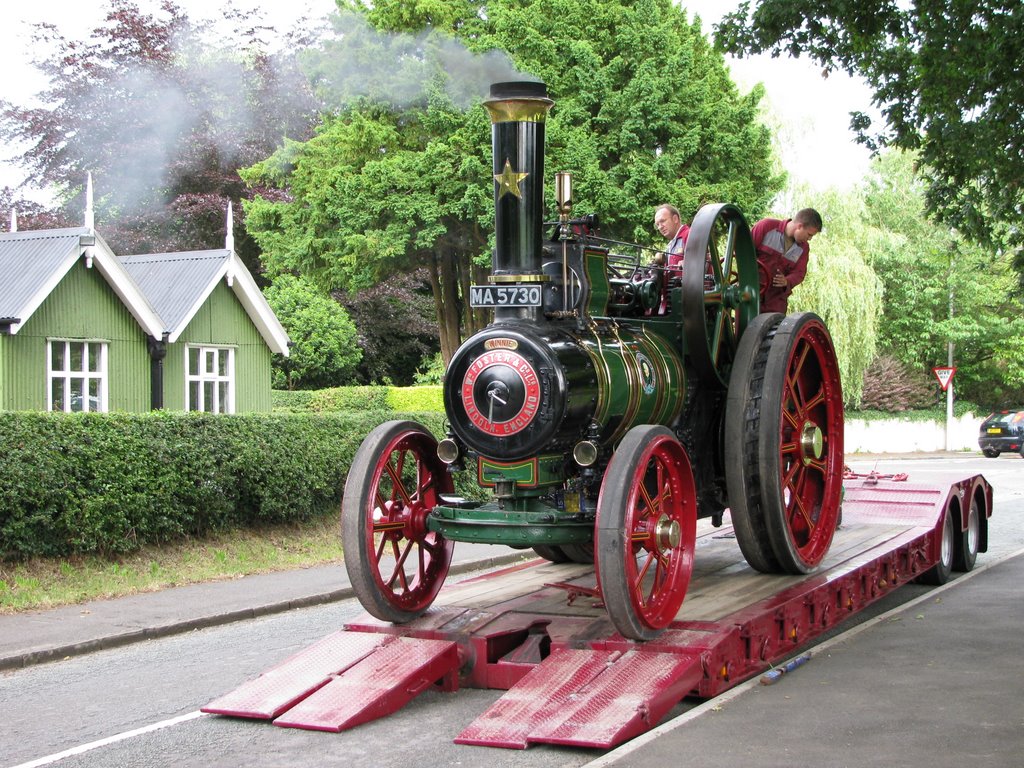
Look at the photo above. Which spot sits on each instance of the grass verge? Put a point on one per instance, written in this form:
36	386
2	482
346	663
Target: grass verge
44	583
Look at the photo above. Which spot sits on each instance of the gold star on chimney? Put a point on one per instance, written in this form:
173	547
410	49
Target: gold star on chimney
508	180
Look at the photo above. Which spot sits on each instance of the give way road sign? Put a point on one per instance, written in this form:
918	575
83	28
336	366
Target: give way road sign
944	375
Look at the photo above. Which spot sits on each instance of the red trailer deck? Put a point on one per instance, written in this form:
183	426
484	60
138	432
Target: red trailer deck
538	631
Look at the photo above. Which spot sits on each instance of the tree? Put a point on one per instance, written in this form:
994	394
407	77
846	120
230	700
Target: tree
398	176
939	287
325	352
841	287
396	329
162	113
946	75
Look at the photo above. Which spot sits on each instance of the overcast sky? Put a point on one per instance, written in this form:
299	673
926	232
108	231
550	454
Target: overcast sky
814	111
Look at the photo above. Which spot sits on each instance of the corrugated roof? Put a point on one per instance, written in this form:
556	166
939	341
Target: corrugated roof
176	283
29	262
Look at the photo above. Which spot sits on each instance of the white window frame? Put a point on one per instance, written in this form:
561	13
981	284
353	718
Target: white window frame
68	375
209	357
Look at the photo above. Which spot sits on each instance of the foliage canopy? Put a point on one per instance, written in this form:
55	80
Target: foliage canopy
946	75
399	177
324	351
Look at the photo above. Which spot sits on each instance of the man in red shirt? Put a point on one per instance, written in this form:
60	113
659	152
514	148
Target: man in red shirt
782	249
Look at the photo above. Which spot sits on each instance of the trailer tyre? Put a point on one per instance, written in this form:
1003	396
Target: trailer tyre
646	531
966	551
939	573
579	553
396	566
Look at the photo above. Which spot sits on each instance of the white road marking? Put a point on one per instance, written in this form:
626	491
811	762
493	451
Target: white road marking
83	748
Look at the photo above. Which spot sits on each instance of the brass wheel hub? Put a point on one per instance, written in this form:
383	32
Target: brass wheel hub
667	534
812	442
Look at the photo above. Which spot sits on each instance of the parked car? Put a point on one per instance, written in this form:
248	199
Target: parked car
1002	431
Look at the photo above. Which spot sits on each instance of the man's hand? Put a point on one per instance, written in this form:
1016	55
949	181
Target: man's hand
779	280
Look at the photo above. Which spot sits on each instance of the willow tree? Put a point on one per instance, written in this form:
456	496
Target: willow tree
398	176
842	287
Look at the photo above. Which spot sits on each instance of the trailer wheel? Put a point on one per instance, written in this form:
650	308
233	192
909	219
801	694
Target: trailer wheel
793	447
743	482
395	564
646	531
939	573
720	289
966	551
551	553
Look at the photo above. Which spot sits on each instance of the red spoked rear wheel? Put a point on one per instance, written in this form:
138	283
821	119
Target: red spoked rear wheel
395	564
646	532
785	423
803	408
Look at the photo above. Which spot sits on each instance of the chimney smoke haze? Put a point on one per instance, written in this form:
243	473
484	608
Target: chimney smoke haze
157	125
400	70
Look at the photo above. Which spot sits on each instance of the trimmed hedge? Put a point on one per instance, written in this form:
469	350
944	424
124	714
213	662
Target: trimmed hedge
399	399
110	483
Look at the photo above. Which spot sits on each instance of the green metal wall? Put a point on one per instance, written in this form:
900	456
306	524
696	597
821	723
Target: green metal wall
222	321
83	306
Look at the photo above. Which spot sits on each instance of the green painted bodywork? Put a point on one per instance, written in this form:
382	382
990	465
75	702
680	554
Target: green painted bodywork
523	521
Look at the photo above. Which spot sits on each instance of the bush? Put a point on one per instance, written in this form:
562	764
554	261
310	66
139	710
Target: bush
893	387
110	483
360	399
416	399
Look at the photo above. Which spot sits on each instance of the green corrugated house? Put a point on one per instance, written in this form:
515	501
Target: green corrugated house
84	330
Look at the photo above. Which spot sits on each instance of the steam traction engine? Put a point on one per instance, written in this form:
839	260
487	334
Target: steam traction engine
607	406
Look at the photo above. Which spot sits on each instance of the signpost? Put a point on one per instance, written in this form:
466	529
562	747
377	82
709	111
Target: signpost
944	374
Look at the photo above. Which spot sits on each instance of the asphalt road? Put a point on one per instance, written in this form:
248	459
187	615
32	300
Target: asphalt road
138	705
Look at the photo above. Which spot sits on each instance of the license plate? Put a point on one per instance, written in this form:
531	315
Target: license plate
504	295
995	431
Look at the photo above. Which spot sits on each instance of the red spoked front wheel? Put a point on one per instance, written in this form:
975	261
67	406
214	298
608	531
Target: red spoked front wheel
395	564
646	532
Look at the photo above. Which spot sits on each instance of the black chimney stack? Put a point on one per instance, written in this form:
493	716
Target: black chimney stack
518	111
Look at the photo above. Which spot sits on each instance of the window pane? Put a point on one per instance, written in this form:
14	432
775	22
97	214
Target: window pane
210	361
209	404
77	399
94	357
94	395
222	394
76	355
193	361
57	394
57	357
193	396
222	363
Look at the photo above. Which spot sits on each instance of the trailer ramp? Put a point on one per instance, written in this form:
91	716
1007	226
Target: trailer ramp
586	698
345	679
